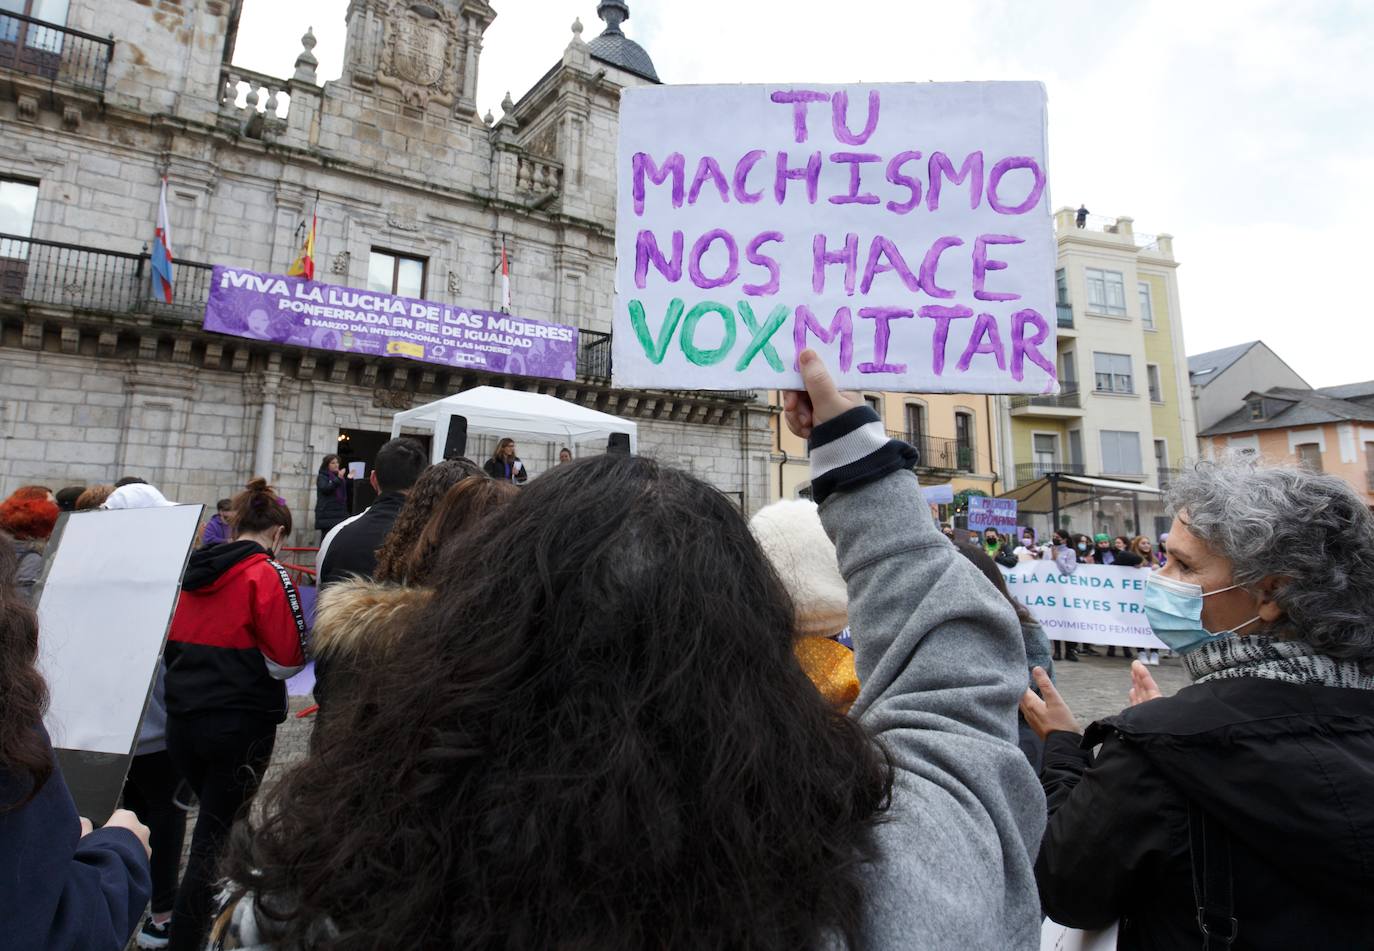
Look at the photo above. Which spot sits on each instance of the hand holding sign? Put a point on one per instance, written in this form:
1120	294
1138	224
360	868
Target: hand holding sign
820	402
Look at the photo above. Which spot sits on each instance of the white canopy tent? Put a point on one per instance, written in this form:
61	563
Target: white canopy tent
494	411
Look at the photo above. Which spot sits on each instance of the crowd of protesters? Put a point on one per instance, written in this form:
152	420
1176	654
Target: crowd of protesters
599	709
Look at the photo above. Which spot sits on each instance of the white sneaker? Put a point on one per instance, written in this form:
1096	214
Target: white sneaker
1154	659
1142	655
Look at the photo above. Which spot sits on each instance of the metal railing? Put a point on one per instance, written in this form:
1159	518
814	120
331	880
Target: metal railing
1167	476
1068	398
1064	314
91	279
937	452
1369	480
1030	471
53	52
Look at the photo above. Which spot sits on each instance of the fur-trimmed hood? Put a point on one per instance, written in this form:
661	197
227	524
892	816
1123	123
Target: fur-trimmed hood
359	617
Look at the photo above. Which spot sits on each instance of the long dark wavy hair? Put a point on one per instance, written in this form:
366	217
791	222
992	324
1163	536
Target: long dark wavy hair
597	737
463	507
421	501
23	694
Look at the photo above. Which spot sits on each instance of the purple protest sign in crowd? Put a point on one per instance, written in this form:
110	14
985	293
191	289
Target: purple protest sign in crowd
329	317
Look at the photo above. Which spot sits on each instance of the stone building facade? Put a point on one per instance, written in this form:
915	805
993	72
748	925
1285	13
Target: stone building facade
99	380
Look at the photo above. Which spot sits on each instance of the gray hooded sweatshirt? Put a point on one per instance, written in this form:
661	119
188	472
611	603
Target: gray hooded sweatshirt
940	655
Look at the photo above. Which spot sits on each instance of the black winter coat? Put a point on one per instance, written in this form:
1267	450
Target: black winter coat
1287	771
329	511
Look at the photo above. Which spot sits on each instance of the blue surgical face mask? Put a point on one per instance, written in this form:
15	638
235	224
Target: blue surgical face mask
1082	547
1174	610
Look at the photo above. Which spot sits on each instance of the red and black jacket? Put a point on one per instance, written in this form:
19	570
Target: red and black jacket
237	634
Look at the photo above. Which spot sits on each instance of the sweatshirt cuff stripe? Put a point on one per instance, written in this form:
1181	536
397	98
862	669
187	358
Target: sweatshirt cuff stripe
852	450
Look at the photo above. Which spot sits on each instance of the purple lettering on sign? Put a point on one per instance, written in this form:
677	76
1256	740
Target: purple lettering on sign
1023	349
708	169
799	99
754	256
839	110
883	248
882	318
820	257
811	174
942	316
647	251
742	169
294	311
985	338
855	160
995	179
931	265
644	167
897	177
941	167
702	246
982	264
803	321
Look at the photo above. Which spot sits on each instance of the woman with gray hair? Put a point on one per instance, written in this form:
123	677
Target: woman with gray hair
1242	805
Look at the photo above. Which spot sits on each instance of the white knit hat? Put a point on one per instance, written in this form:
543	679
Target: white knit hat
792	537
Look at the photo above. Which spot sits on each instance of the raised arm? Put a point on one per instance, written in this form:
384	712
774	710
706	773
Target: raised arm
939	654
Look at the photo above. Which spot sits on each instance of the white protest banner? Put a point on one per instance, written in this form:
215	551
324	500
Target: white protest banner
1095	604
903	231
105	602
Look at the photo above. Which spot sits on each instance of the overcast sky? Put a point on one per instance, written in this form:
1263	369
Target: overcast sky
1243	127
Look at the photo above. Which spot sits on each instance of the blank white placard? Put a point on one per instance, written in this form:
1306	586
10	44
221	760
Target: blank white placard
107	601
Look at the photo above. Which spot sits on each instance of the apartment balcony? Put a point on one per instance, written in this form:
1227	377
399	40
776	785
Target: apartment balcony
938	455
48	275
1067	404
1369	480
51	66
1030	471
1064	315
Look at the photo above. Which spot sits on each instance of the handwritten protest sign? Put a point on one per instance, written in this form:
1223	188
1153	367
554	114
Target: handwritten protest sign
902	230
984	512
1095	604
330	317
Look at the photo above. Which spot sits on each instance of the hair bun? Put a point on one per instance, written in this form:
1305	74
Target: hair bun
258	485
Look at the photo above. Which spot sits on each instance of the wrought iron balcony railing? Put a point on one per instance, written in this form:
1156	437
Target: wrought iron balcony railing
1064	310
55	53
1030	471
1068	398
938	453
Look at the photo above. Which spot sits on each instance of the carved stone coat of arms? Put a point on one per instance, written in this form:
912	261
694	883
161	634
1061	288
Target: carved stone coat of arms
416	61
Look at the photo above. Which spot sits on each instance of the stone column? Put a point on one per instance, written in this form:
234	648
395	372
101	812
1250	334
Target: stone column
264	458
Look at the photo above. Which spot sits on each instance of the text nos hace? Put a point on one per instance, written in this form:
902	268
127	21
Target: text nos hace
711	332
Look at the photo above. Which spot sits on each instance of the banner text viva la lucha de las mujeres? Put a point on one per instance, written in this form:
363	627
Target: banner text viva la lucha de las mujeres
329	317
904	231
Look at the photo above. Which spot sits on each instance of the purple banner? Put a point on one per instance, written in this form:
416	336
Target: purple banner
305	313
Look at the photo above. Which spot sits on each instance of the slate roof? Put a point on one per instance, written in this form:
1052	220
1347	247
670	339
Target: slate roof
1206	367
1304	408
617	49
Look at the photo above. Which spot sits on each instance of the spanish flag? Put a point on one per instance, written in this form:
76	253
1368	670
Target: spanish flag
304	266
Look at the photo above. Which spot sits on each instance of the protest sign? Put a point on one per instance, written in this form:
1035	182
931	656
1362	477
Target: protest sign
105	603
998	514
1094	604
329	317
903	231
942	494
